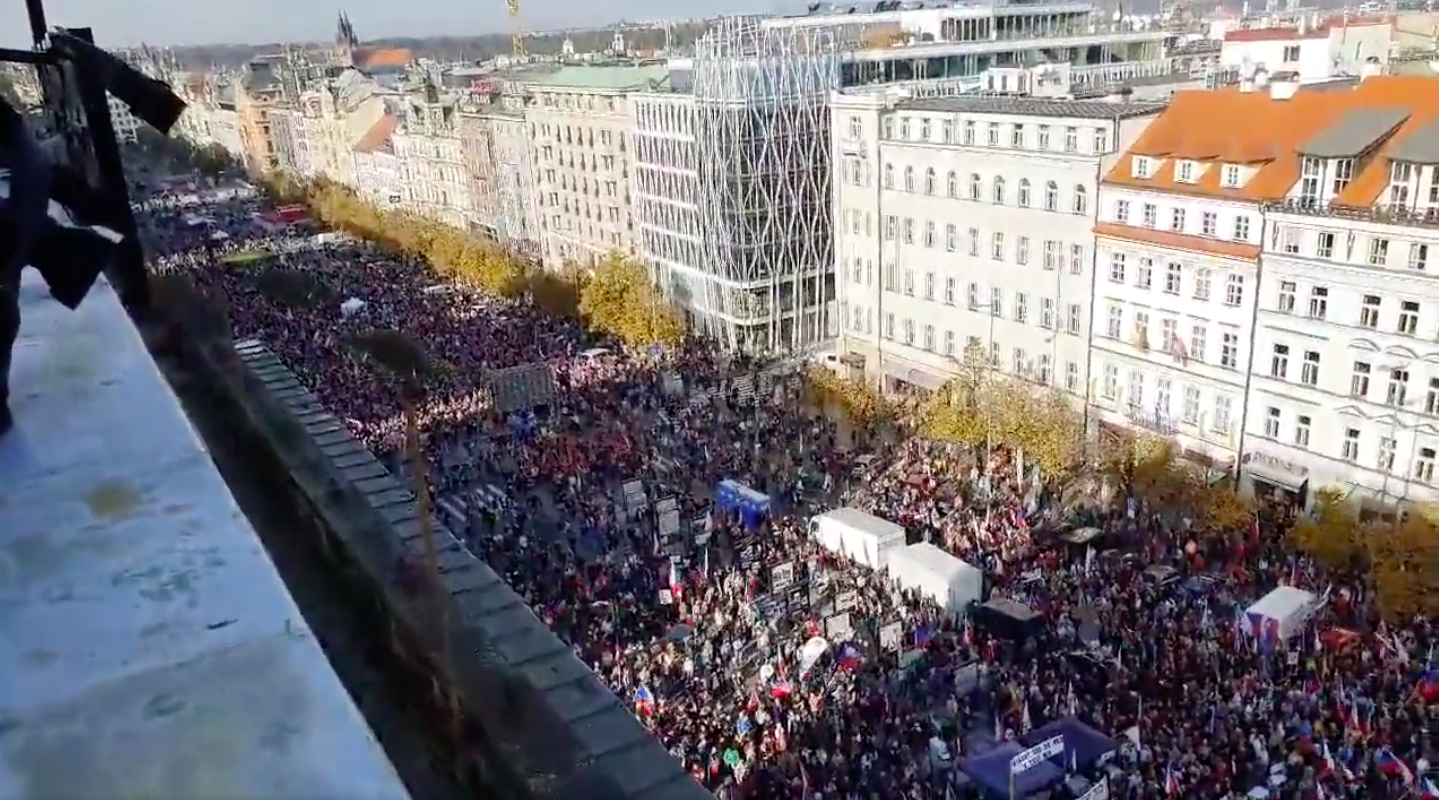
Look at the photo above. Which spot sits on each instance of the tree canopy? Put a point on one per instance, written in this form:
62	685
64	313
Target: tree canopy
619	299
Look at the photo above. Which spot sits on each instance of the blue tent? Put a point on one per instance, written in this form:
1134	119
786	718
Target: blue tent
990	771
751	505
1083	744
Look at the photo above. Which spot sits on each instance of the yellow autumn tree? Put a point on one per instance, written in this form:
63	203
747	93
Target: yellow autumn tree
1404	562
620	300
861	401
1330	532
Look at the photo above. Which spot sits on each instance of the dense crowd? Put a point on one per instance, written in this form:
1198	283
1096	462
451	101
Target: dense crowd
600	508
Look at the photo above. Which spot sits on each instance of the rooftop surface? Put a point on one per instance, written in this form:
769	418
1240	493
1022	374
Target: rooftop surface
148	647
1032	107
599	77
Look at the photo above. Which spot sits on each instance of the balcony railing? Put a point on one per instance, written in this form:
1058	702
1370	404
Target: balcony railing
1384	215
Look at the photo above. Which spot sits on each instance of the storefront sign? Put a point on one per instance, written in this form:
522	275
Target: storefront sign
1280	464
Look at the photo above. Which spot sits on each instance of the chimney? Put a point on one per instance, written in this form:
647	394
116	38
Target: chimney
1370	68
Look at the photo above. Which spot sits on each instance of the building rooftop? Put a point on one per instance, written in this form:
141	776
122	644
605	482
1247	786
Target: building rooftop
150	647
378	136
599	77
1382	118
1033	107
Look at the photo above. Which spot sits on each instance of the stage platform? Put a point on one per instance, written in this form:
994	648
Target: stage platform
148	648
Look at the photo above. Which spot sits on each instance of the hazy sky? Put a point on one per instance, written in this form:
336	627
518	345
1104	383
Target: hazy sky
120	23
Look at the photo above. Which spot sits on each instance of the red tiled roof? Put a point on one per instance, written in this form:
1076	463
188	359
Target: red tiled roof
373	59
378	134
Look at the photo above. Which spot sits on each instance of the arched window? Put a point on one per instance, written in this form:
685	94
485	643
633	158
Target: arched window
909	179
998	190
1024	193
929	181
1081	200
1051	196
889	176
974	190
953	188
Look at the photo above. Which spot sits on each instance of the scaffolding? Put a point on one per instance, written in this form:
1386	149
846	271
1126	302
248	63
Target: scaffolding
761	124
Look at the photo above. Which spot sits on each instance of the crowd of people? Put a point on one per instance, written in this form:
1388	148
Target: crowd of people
600	507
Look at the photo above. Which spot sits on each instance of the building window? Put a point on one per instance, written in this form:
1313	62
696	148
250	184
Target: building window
1016	136
1198	343
889	176
1318	302
909	333
1043	138
909	283
1398	390
1431	398
929	181
1234	290
1176	220
1141	330
1081	200
1301	431
1309	370
974	242
1051	254
1209	223
1144	274
1343	174
1231	176
1424	465
1136	389
1241	228
929	286
1076	259
909	179
1046	313
1385	462
998	190
1223	410
972	297
1021	307
1121	212
974	186
1074	320
1192	401
1101	141
1151	215
1289	238
1359	380
1173	278
949	290
1141	167
1021	251
996	301
1408	317
928	342
952	185
929	234
925	128
1229	350
1271	422
991	136
1202	279
949	337
1071	140
1071	376
1279	363
908	231
1115	325
904	128
1291	54
1110	387
1378	252
1051	196
889	325
996	247
1369	311
1116	267
1419	252
1169	335
1287	290
1186	172
1024	193
951	238
1351	445
1324	245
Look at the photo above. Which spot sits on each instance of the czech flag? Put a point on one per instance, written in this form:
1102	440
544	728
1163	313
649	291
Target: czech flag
1171	782
1428	686
1428	790
849	657
644	701
1390	764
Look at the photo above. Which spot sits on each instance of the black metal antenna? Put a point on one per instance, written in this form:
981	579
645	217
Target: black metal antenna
38	26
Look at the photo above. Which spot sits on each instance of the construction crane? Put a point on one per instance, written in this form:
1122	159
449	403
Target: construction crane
517	30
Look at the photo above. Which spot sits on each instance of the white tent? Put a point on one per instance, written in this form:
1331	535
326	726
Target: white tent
1281	614
952	583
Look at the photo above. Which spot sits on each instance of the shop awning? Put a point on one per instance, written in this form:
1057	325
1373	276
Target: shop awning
922	378
1277	473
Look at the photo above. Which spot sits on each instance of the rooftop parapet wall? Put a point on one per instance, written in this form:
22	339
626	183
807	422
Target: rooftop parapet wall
528	719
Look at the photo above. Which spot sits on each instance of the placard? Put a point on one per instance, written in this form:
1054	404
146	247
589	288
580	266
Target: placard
669	522
781	576
846	601
1032	757
891	636
838	628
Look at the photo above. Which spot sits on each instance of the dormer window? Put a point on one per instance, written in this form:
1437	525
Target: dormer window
1231	176
1343	174
1142	167
1186	172
1401	180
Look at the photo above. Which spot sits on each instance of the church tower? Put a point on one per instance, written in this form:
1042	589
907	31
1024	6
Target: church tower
346	43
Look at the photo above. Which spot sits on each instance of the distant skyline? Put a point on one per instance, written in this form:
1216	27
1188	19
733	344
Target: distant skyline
185	22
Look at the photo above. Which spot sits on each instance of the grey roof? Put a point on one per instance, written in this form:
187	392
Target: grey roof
1033	107
1419	147
1356	133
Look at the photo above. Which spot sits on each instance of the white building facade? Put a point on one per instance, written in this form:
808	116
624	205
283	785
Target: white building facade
966	224
1174	313
1346	374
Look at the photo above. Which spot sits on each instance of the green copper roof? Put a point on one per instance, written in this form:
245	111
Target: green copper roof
598	77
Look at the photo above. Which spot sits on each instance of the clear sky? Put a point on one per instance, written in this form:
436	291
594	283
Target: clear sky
121	23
